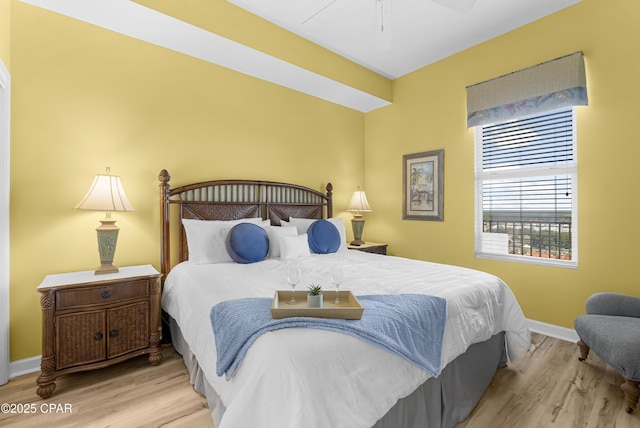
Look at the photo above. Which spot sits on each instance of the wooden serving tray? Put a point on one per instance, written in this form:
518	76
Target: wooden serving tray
349	307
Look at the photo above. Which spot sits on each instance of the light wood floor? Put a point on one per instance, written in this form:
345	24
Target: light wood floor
547	387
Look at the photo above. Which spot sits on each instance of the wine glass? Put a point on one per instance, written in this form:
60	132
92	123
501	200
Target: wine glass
293	276
337	275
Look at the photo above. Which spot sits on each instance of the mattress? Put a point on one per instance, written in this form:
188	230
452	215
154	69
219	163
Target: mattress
313	378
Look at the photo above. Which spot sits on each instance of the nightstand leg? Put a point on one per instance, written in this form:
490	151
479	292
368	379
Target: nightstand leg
155	336
45	383
45	390
155	356
154	359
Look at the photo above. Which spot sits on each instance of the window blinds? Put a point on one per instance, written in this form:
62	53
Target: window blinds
548	86
525	178
542	140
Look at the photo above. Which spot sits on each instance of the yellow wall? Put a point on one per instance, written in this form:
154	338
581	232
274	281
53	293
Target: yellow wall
85	98
5	32
429	112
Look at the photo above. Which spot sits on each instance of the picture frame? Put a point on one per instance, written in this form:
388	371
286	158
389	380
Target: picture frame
423	186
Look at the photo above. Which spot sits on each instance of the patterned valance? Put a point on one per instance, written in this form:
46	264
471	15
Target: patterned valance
548	86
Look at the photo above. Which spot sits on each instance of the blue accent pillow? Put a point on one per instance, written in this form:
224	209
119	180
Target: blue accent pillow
323	237
247	243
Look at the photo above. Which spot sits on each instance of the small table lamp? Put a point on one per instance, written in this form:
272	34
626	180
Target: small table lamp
106	194
358	203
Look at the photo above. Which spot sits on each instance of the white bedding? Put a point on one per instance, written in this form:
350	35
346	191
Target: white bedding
316	379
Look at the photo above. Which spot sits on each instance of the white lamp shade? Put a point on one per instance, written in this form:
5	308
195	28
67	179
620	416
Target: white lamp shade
105	194
359	202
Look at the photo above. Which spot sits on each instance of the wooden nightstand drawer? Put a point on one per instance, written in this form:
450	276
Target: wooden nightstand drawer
77	298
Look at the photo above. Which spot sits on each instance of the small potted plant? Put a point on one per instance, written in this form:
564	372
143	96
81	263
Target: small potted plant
314	298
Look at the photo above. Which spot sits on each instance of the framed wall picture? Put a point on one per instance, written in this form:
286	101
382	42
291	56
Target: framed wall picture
423	187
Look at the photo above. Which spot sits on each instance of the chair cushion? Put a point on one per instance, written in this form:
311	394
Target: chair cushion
615	339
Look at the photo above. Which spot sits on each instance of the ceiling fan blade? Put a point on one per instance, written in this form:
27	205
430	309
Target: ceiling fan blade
461	6
330	8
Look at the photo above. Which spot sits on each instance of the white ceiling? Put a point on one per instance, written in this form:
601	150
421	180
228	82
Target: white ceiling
421	31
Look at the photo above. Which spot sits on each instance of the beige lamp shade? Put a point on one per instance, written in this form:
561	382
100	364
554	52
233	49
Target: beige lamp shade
359	202
106	194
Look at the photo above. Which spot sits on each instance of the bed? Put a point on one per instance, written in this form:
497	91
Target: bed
315	378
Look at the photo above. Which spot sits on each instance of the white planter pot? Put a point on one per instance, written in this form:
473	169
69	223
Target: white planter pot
314	301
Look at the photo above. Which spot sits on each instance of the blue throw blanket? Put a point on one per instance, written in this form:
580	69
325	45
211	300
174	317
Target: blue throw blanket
409	325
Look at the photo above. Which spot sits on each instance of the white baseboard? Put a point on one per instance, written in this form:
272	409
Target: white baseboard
31	365
23	367
551	330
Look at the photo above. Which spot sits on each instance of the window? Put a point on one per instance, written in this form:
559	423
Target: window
526	181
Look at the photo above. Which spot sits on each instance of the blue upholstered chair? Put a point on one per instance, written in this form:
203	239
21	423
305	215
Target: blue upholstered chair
611	328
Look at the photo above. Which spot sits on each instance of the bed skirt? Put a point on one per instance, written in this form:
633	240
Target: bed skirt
440	402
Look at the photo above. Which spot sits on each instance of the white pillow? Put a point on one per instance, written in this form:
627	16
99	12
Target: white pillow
274	233
302	224
339	224
264	223
206	238
294	246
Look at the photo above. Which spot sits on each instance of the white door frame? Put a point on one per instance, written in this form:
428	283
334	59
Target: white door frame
5	114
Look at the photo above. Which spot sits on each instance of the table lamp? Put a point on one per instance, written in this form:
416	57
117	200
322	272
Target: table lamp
358	203
106	194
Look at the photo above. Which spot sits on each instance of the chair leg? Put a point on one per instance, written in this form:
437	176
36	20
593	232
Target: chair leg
584	350
631	394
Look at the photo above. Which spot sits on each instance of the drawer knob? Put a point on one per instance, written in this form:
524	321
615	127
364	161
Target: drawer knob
97	336
113	333
106	294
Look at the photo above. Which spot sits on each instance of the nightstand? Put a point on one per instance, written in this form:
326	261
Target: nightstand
370	247
93	321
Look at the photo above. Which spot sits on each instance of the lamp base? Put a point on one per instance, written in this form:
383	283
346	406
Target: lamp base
102	269
107	239
357	223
